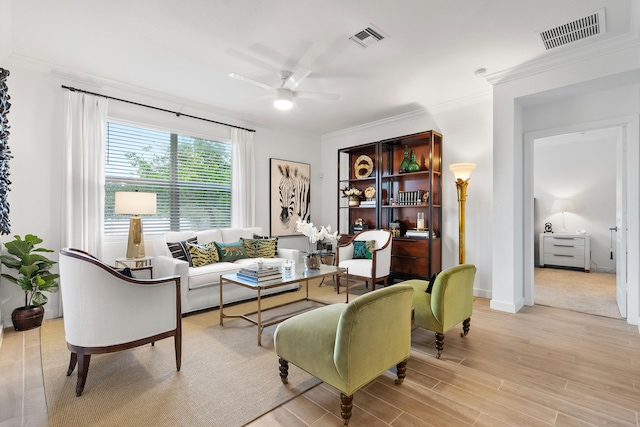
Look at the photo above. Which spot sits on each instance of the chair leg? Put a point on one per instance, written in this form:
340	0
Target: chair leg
284	370
83	370
72	363
346	404
439	343
401	371
177	342
465	327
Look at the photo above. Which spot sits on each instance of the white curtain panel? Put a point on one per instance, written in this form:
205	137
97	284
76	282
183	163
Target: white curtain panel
83	172
242	179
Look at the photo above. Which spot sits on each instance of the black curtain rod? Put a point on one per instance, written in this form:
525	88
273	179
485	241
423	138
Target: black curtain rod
73	89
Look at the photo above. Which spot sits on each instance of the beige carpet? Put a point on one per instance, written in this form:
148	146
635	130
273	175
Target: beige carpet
592	293
225	380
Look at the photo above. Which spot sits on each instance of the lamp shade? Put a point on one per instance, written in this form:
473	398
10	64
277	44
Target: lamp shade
283	99
562	205
462	170
135	203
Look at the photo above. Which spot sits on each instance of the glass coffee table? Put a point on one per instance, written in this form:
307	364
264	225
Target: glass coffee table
299	275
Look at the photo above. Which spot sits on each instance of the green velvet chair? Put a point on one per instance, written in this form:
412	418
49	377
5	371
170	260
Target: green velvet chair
349	345
449	303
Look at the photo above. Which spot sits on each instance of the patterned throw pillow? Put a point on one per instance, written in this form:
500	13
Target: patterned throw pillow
261	248
363	249
231	251
203	254
179	250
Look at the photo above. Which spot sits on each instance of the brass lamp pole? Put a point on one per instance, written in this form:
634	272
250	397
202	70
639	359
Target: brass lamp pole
462	171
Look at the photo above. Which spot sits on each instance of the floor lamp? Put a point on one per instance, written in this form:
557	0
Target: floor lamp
462	171
135	203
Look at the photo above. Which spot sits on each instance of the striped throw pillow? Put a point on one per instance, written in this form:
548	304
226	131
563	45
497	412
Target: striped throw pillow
179	250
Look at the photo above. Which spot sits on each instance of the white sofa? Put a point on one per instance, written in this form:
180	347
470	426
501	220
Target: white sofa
200	285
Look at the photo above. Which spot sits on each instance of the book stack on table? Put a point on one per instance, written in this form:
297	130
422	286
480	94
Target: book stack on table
257	274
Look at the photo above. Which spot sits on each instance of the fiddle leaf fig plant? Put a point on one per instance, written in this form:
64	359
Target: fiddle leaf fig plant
34	276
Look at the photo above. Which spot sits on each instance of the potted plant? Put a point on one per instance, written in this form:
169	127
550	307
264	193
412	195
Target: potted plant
33	278
312	260
353	194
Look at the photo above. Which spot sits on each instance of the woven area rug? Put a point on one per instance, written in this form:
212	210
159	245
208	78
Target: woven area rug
591	293
226	379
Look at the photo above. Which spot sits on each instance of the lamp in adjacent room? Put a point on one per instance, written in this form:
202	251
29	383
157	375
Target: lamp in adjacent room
283	99
562	206
462	172
135	203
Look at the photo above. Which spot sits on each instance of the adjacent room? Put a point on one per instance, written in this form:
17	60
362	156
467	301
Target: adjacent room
294	213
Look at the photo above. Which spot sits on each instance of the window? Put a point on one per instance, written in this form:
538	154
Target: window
190	176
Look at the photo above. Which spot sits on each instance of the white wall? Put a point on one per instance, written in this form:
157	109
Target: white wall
585	172
467	137
36	120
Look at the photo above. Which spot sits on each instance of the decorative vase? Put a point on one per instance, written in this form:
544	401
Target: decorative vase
25	318
405	162
354	201
312	262
414	166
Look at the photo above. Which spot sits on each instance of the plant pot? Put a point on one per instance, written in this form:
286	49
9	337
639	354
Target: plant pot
354	201
312	262
25	318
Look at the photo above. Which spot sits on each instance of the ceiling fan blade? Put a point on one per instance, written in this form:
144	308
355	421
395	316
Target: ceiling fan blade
317	95
250	81
296	78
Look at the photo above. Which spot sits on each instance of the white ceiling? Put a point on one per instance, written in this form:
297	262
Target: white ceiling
187	48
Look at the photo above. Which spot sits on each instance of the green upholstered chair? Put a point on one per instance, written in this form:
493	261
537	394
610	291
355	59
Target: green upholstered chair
349	345
449	303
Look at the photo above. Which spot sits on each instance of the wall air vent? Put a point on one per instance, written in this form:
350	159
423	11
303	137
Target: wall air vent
368	36
582	28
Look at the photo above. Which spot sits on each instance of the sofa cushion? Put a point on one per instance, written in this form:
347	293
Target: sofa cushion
261	248
229	252
179	250
209	236
209	275
176	236
203	254
234	234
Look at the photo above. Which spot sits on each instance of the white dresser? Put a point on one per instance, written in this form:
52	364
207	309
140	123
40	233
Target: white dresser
565	250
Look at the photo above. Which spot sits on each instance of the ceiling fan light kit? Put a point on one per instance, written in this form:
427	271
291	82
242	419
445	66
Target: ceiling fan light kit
283	99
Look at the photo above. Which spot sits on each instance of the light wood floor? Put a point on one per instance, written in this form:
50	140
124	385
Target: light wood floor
539	367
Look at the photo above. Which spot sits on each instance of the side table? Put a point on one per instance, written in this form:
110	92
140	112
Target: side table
328	258
134	262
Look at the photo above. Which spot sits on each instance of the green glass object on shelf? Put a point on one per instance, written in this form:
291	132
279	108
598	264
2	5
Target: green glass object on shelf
404	166
413	166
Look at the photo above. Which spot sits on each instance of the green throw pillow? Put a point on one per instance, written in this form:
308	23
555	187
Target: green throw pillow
261	248
203	254
363	249
231	251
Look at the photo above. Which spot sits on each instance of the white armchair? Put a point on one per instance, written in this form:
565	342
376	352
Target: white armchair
373	269
106	311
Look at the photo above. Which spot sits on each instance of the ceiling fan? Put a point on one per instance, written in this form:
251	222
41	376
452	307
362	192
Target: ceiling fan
284	94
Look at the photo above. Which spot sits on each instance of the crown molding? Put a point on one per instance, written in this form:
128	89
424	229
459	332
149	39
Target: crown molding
562	59
422	113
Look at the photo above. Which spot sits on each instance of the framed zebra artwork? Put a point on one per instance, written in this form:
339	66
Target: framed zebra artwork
290	186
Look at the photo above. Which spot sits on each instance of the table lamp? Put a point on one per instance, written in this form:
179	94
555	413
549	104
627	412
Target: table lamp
135	203
562	206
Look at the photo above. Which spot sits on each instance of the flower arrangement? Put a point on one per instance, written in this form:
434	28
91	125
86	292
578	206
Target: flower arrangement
352	192
314	235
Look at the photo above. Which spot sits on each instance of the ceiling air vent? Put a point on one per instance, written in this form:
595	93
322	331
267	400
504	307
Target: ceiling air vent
368	36
582	28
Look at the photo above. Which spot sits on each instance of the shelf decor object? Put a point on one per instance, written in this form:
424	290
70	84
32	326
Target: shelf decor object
135	203
462	172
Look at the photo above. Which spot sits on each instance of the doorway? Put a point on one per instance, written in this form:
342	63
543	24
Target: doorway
579	171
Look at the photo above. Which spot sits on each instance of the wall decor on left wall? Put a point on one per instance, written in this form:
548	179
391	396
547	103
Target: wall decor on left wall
5	153
290	194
